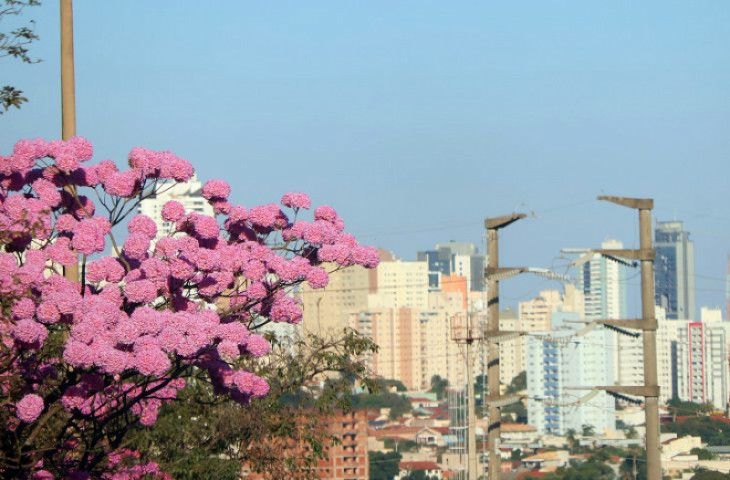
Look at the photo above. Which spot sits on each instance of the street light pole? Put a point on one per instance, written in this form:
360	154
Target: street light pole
68	94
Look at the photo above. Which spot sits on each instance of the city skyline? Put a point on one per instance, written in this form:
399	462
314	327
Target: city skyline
531	120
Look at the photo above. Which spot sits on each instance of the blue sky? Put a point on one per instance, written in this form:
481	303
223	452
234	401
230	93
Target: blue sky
417	119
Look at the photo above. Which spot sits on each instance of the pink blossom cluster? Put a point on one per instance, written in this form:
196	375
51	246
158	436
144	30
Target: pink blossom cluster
149	310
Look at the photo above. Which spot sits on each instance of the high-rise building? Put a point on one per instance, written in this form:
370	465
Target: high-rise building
603	283
414	344
510	353
533	316
702	369
674	270
457	258
188	193
666	346
559	360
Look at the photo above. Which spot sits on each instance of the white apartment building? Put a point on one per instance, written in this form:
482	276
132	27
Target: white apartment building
188	193
558	361
702	372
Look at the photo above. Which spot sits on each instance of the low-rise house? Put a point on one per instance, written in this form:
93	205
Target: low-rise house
544	461
518	434
431	469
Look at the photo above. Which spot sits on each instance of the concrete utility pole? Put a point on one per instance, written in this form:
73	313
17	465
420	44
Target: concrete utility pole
495	401
466	330
647	324
471	442
68	93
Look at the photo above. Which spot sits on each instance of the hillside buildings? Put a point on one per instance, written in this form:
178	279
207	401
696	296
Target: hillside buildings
395	306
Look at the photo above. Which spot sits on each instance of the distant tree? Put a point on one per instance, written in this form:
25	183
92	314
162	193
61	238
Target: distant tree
384	466
709	475
588	430
570	437
399	405
702	453
515	412
589	470
400	445
518	384
681	408
631	432
15	44
634	464
438	386
711	431
201	437
386	384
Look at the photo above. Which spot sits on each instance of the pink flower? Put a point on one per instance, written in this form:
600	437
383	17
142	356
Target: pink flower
320	232
257	345
24	309
166	247
29	408
104	170
30	332
216	189
238	214
78	353
122	184
136	246
42	475
266	216
228	350
296	200
286	310
256	291
88	237
60	252
325	212
66	223
173	167
147	161
205	226
144	225
107	269
140	291
368	257
181	269
260	387
47	192
220	207
317	277
151	360
173	211
233	332
48	313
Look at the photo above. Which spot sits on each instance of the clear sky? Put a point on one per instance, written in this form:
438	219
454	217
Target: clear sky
417	119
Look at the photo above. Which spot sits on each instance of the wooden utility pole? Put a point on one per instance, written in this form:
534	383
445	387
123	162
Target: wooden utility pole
68	93
647	324
495	401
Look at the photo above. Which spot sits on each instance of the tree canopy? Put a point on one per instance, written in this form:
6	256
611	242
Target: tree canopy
15	44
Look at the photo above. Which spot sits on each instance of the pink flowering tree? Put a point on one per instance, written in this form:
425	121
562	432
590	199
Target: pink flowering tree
83	359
